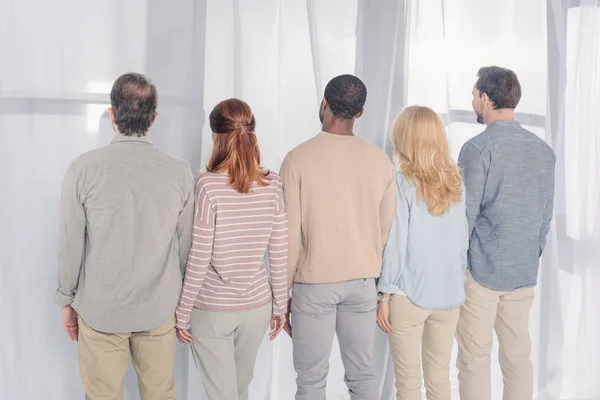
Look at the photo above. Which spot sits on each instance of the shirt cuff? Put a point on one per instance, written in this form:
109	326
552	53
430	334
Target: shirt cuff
384	286
62	299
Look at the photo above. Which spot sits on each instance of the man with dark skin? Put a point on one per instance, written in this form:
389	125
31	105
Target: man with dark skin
340	197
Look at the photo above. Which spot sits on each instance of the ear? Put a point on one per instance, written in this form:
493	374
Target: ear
360	113
325	104
155	118
111	112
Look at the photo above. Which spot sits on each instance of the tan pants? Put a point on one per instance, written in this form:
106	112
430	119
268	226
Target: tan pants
507	313
418	333
224	349
104	358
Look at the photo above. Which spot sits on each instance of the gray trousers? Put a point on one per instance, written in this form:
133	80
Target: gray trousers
224	349
319	311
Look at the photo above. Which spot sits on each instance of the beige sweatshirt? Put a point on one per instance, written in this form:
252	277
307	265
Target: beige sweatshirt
340	197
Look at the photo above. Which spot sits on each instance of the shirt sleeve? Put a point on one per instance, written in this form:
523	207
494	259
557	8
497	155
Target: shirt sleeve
465	232
277	250
547	212
474	171
200	256
72	230
291	190
394	254
185	221
387	207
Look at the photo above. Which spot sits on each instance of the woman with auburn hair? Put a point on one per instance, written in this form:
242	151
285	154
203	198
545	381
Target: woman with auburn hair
421	286
227	299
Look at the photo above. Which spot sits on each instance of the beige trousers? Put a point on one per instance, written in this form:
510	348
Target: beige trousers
224	349
418	333
104	358
507	313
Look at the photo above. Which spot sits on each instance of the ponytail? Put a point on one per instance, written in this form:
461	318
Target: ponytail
236	148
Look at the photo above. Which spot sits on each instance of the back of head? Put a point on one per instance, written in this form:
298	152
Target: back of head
346	96
501	85
422	153
133	99
235	150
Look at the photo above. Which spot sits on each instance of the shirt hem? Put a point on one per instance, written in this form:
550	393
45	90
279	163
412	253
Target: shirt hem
324	281
133	328
420	305
204	307
502	289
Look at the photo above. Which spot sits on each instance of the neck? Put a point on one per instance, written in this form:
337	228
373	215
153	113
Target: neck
501	115
339	126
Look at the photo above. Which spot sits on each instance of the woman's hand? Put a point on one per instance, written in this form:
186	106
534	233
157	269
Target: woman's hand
184	336
383	317
277	324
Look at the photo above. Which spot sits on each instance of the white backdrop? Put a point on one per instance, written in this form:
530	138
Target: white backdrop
59	59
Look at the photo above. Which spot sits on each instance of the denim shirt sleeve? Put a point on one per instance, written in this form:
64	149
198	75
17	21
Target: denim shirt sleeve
474	172
394	254
466	234
547	214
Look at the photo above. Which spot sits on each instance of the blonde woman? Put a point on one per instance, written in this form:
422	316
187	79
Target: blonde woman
421	286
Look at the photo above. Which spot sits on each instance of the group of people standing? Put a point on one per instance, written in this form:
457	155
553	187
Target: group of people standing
427	249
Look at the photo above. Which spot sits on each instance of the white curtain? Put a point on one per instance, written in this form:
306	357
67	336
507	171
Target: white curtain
60	58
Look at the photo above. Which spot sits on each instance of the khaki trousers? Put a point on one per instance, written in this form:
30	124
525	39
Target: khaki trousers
421	334
507	313
104	358
224	347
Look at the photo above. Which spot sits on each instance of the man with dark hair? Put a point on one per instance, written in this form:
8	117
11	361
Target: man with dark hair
509	180
125	233
340	198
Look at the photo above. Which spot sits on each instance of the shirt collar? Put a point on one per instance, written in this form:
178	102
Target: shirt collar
132	139
505	123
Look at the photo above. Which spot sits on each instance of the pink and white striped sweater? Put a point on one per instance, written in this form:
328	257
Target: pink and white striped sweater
232	231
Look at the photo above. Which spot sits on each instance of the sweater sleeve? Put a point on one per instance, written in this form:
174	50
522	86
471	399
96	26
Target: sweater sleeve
278	256
291	189
387	207
200	256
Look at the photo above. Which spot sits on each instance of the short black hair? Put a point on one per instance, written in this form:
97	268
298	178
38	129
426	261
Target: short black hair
133	99
501	85
346	96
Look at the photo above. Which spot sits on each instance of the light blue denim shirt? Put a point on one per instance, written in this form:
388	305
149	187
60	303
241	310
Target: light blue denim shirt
426	255
509	176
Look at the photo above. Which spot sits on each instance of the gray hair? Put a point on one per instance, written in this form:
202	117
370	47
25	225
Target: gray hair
133	99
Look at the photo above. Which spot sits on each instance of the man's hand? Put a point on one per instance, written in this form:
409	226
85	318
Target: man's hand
184	336
277	324
383	317
70	322
288	322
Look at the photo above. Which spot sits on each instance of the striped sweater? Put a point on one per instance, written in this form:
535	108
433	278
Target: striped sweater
232	231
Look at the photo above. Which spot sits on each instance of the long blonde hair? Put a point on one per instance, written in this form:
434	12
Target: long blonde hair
422	154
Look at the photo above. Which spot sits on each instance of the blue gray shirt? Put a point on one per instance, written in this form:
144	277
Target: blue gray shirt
426	255
509	176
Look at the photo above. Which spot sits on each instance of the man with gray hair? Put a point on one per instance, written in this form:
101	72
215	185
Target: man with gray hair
125	233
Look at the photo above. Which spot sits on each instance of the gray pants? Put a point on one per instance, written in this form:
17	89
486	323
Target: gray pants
224	349
319	311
